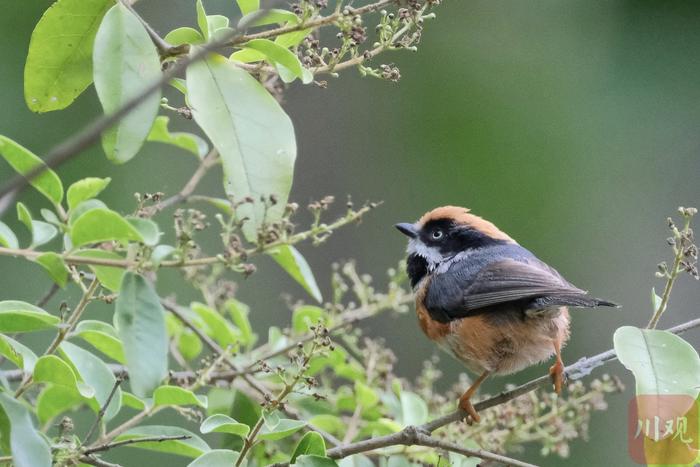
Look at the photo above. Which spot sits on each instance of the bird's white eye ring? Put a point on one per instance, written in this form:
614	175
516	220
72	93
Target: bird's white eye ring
437	234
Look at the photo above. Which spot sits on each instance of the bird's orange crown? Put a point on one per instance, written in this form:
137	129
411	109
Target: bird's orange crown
463	216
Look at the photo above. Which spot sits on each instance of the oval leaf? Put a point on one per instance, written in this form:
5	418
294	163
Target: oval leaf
285	427
254	136
101	225
29	449
305	316
315	461
248	6
97	374
175	395
58	65
192	447
217	327
276	54
219	423
24	161
140	322
184	36
54	400
662	362
125	60
85	189
147	228
270	16
51	369
310	444
103	337
296	266
16	316
28	357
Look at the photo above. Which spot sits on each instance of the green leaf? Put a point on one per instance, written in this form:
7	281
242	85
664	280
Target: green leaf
202	20
285	427
414	409
365	395
55	266
215	458
24	161
248	6
306	315
244	409
82	208
85	189
175	395
132	401
51	369
125	62
10	353
102	225
162	252
49	216
292	39
296	266
655	300
109	277
315	461
271	16
216	22
55	400
140	322
187	141
29	358
189	344
219	423
217	327
97	374
276	54
253	135
29	449
239	312
184	35
147	229
16	316
310	444
662	362
102	336
192	447
59	65
7	237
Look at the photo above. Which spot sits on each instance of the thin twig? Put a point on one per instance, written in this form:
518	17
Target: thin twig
97	462
422	439
48	295
573	372
165	49
103	409
63	331
147	439
204	261
207	162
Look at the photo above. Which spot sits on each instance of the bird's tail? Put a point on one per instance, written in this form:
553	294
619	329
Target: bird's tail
575	300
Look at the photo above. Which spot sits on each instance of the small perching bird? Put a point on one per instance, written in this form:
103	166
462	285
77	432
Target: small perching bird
485	299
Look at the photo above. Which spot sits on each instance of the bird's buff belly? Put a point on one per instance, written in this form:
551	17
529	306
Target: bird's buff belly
499	341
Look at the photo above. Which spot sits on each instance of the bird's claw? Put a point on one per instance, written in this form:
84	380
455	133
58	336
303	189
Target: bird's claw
466	405
556	371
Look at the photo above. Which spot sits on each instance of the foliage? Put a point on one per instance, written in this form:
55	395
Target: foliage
301	394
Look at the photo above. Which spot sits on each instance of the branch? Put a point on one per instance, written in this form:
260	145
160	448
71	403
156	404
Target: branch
207	162
103	409
147	439
573	372
349	218
165	49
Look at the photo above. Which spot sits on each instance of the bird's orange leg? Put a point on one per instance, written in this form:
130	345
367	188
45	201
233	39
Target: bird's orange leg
556	371
465	402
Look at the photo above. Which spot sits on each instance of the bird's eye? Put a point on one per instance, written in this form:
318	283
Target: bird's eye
437	234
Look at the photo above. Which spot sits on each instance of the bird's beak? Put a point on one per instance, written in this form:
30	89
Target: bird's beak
407	229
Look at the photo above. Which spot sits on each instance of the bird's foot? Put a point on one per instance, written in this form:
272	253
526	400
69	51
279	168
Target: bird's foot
556	371
466	405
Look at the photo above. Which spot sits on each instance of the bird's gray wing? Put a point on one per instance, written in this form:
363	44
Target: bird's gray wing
462	290
510	280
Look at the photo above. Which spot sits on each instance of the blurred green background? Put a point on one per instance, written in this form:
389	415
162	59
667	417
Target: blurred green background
572	125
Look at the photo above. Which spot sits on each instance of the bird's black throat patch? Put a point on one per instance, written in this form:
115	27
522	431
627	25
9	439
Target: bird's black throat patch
416	268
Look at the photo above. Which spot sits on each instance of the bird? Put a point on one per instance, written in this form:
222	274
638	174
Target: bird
486	300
